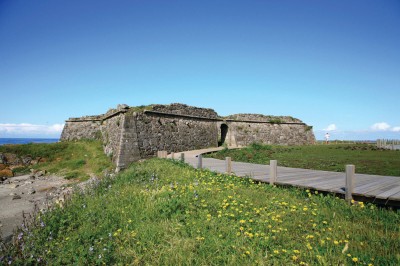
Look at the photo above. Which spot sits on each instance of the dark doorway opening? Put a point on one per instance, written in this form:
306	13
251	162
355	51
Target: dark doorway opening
224	132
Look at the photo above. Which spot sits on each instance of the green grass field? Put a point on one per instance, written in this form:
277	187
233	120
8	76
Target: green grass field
333	157
69	159
160	212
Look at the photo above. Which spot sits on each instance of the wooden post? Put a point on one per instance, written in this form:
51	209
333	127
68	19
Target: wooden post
172	155
158	154
165	154
200	161
228	165
182	157
350	170
273	170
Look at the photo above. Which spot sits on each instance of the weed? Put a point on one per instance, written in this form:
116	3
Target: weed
275	121
160	212
71	159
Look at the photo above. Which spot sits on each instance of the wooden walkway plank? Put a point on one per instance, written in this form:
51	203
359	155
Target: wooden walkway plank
373	186
363	179
330	183
389	193
395	197
317	180
364	189
295	176
380	190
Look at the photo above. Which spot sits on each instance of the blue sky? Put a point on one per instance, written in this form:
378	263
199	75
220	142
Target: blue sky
333	64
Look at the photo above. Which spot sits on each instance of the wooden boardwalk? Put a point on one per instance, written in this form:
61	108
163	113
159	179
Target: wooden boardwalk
373	188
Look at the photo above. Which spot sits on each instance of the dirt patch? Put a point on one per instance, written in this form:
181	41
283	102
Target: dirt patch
21	194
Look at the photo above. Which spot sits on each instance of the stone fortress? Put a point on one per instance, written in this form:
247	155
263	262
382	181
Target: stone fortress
133	133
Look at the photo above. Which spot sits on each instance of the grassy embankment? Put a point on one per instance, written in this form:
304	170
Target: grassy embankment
160	212
69	159
333	157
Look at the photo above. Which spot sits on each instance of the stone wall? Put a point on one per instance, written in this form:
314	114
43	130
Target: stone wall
245	133
173	133
263	118
185	110
129	134
128	150
75	129
111	135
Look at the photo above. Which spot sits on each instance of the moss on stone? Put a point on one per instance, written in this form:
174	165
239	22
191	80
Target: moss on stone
140	108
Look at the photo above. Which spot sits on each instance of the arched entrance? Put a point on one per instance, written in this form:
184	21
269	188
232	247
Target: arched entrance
223	133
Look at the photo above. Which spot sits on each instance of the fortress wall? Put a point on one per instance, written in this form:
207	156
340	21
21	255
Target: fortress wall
245	133
76	129
185	110
128	146
111	135
130	134
174	133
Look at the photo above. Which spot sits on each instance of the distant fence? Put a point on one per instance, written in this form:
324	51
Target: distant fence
336	141
389	144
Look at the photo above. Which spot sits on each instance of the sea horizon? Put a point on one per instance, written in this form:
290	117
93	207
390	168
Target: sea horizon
4	141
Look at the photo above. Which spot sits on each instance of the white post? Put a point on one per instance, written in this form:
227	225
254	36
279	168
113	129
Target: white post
273	170
158	154
182	157
350	170
228	165
165	154
172	155
200	161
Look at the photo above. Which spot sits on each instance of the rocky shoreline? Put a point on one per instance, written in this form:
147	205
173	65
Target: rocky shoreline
22	194
9	162
26	189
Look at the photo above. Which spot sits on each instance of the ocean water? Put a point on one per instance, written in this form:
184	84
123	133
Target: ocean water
26	140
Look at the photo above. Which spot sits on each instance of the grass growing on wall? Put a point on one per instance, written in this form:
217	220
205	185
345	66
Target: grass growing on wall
165	213
333	157
140	108
70	159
